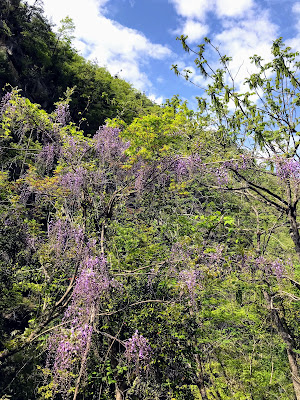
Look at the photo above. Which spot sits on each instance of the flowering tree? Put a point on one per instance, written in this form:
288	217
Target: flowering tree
80	181
269	122
142	282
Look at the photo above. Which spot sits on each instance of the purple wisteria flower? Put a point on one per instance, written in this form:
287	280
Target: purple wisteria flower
69	343
61	234
144	175
246	161
73	149
190	280
92	281
47	156
181	168
108	143
137	349
242	163
221	173
63	113
278	269
179	253
287	168
140	180
74	180
5	102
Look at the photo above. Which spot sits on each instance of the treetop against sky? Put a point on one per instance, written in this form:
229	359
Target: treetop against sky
136	38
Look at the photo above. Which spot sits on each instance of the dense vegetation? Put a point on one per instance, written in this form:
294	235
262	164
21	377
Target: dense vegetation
156	257
44	65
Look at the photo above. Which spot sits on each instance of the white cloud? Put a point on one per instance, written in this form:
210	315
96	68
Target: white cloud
233	8
294	42
158	100
240	41
241	28
198	9
200	81
296	8
130	71
241	35
192	8
102	39
194	30
240	38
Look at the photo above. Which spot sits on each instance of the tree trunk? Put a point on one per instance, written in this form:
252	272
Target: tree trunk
85	355
288	339
200	378
294	231
118	394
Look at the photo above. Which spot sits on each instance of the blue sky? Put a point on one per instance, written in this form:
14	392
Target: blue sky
136	39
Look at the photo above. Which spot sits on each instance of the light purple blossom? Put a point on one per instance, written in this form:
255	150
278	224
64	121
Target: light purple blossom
139	181
277	268
63	113
92	281
190	280
67	345
62	234
74	180
108	143
73	149
137	349
245	162
221	174
242	163
179	253
47	156
5	102
181	168
287	168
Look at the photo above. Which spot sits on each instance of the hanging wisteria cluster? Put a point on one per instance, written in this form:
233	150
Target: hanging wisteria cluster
47	155
74	181
62	234
222	171
108	143
138	350
5	102
62	113
74	149
68	344
184	167
287	168
190	279
276	268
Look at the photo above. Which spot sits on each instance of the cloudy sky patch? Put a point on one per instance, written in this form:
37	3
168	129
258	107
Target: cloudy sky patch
136	39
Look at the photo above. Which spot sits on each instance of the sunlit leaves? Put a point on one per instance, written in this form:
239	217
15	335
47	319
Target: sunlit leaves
154	136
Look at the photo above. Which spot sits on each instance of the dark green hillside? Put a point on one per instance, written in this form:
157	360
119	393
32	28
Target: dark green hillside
44	65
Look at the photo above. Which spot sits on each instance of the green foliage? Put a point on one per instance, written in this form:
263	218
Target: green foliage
155	136
192	263
44	65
